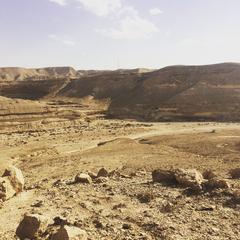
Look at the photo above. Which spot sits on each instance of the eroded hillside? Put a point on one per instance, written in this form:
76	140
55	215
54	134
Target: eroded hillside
174	93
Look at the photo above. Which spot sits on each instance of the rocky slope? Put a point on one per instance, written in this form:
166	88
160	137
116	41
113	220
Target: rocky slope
173	93
11	107
184	93
169	94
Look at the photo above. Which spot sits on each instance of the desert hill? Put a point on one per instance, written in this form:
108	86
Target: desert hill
209	92
20	74
172	93
184	93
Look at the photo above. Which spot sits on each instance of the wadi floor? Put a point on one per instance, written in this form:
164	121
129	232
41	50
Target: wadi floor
126	205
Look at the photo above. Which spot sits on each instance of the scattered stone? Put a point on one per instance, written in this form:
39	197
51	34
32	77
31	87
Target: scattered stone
206	208
83	178
120	205
145	197
68	233
32	226
98	223
189	178
214	230
235	173
125	176
209	174
163	176
101	180
114	173
6	189
102	173
126	226
236	196
216	183
60	221
38	204
16	177
92	175
57	183
167	207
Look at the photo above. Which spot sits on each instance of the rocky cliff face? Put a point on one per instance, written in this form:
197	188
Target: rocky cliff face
176	93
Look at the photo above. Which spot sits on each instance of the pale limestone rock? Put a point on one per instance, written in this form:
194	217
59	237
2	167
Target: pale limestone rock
83	178
68	233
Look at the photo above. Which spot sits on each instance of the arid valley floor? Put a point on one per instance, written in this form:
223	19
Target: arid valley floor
51	156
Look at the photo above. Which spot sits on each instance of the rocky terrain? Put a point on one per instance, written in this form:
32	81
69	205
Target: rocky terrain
76	162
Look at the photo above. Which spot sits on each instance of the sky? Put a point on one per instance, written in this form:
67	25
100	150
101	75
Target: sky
112	34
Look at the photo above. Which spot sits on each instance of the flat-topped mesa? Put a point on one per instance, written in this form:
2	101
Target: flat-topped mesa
22	74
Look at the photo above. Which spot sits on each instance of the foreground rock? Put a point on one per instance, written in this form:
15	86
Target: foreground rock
6	189
185	177
16	177
103	173
163	176
189	178
236	196
83	178
235	173
32	227
209	174
216	183
68	233
11	183
36	227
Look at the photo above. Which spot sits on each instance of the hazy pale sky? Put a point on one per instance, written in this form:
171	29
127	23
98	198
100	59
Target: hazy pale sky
109	34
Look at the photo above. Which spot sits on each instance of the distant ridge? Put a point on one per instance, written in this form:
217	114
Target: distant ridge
174	93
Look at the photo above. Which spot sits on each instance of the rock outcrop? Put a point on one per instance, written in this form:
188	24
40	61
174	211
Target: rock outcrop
11	183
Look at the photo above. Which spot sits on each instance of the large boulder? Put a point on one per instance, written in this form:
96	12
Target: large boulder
32	226
6	189
16	177
68	233
189	178
163	176
235	173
